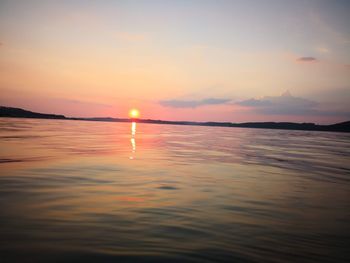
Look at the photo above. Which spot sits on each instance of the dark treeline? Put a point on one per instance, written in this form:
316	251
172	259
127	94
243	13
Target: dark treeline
338	127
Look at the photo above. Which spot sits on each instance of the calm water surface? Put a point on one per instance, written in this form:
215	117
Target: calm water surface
115	192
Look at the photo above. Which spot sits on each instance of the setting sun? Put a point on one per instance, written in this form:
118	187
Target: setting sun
134	113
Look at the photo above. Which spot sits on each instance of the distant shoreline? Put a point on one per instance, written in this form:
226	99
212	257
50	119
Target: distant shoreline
338	127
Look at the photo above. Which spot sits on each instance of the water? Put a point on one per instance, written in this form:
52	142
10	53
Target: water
116	192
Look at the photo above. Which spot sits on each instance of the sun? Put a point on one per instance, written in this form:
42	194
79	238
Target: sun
134	113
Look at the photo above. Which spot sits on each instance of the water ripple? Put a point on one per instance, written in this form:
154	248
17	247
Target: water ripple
84	191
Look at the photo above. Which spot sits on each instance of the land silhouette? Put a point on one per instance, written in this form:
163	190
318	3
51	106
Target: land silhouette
338	127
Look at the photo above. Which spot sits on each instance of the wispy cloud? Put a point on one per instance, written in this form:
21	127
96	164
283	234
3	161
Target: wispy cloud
286	104
307	59
193	103
322	50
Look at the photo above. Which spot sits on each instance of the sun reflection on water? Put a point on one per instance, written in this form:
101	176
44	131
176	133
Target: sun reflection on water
132	140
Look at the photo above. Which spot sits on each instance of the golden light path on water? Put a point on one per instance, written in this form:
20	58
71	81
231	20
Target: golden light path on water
132	140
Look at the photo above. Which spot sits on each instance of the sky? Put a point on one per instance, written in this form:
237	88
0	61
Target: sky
236	61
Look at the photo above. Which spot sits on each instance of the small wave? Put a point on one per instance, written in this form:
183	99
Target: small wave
4	160
168	187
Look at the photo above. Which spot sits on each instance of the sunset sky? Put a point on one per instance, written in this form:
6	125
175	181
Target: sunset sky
199	60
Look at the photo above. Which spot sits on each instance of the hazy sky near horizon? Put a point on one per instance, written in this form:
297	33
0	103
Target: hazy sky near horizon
254	60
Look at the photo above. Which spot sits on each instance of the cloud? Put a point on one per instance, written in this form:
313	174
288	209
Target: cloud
286	104
322	50
307	59
192	103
